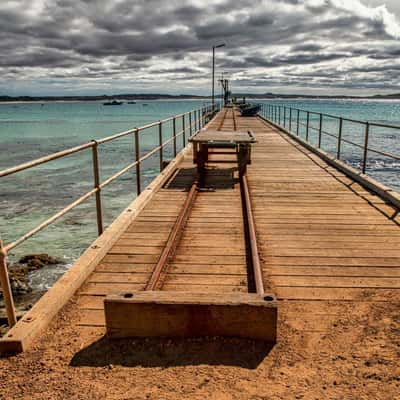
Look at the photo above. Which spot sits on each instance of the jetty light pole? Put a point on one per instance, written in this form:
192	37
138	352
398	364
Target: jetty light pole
213	70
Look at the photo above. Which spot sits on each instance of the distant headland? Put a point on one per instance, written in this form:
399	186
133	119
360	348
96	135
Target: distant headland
159	96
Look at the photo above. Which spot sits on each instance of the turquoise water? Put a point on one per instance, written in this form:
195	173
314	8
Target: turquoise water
31	130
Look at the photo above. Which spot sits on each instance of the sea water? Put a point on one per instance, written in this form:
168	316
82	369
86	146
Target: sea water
32	130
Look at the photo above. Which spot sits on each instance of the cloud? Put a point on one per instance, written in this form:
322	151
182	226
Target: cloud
158	45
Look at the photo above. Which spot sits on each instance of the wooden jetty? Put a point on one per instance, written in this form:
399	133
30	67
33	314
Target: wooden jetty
324	239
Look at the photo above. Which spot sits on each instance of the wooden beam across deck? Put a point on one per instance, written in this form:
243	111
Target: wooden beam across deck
322	237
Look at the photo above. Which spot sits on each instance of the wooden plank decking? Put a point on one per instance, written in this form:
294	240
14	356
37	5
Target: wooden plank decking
329	251
321	235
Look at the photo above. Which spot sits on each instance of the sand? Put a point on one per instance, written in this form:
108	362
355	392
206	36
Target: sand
351	354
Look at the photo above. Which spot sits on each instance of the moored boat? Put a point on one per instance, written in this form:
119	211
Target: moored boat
113	103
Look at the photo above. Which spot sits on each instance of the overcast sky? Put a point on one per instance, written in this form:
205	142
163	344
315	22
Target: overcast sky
164	46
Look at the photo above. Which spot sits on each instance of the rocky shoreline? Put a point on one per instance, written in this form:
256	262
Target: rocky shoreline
24	295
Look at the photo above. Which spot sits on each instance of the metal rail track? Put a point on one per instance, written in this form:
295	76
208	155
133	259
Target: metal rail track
254	269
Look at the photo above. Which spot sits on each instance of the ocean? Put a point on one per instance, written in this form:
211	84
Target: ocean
31	130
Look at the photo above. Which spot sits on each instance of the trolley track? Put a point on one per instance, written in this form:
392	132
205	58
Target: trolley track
204	226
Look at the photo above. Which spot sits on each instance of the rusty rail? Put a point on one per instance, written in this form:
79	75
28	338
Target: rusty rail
173	240
156	279
199	116
253	247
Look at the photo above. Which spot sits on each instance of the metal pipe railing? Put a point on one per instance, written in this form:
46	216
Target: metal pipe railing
200	117
269	112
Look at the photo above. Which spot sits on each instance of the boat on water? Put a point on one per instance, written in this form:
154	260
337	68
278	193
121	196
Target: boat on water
131	102
113	103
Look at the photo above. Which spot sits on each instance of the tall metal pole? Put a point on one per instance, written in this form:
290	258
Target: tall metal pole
213	70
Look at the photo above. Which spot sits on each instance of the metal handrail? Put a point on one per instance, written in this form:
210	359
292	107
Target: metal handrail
292	118
200	118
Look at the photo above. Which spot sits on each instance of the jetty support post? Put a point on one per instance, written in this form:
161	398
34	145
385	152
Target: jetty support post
96	175
6	287
137	157
365	153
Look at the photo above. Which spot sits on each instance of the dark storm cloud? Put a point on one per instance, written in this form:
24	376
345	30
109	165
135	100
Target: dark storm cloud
303	41
307	47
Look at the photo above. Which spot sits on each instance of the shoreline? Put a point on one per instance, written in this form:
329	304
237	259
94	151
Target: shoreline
151	98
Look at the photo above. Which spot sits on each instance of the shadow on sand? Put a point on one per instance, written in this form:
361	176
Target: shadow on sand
173	352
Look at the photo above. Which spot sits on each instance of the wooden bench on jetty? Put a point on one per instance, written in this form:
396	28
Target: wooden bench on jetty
319	231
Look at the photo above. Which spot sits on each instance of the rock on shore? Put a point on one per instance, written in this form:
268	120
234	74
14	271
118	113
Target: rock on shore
19	271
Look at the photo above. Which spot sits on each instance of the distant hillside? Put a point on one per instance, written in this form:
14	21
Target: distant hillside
157	96
305	96
128	96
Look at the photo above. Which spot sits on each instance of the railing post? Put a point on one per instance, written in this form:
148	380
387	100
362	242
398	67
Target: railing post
365	155
183	130
190	124
308	124
199	119
290	119
160	142
284	116
174	133
320	131
339	143
279	109
96	175
137	153
298	122
6	287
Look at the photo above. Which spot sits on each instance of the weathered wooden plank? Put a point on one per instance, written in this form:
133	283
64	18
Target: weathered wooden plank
337	281
332	261
348	294
334	271
184	314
